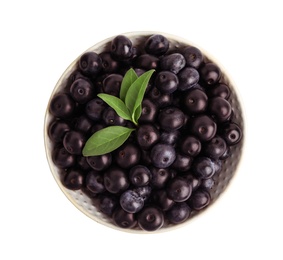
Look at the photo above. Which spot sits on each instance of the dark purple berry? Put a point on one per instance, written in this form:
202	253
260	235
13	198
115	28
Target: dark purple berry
162	155
73	180
190	145
144	192
231	133
110	117
192	180
173	62
108	203
157	45
94	182
170	137
188	78
171	118
203	127
62	106
82	124
90	64
182	162
131	202
111	84
121	48
159	177
94	109
100	162
82	91
210	73
127	155
215	148
159	99
57	129
220	109
74	142
147	62
203	167
150	218
207	183
195	101
162	200
193	57
139	175
109	65
167	82
220	90
178	189
115	180
149	111
123	218
199	199
63	159
147	136
179	213
82	163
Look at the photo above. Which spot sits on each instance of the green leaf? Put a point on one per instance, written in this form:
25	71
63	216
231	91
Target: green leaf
136	92
106	140
127	81
117	104
137	114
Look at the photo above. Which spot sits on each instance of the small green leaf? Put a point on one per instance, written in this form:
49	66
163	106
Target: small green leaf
127	81
136	92
137	114
106	140
117	104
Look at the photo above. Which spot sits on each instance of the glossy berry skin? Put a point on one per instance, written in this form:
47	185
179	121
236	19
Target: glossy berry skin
110	118
192	180
73	179
109	65
62	106
190	146
179	213
203	167
220	109
100	162
147	62
57	129
188	78
115	180
127	155
123	218
159	177
162	155
131	202
215	148
94	182
182	162
178	189
74	142
232	133
162	200
199	200
121	48
150	218
82	163
203	127
147	136
219	90
90	64
139	175
156	45
94	109
82	91
108	203
82	124
170	137
144	191
173	62
149	111
210	73
112	84
171	118
193	57
159	99
167	82
62	159
195	101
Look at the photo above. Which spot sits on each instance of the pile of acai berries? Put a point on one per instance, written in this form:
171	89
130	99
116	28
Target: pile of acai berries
164	172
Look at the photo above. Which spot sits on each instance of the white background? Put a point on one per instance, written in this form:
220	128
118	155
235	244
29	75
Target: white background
40	39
